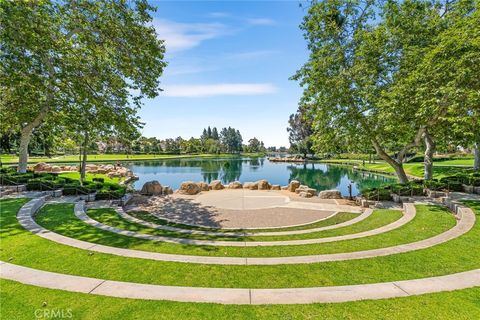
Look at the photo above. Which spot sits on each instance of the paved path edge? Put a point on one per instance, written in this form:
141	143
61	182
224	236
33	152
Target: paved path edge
333	294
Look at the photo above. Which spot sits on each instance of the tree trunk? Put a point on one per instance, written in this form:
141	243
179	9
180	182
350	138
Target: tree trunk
476	155
25	136
83	167
397	166
428	157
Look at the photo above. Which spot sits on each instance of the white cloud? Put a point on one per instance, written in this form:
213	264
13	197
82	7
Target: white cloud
261	21
183	36
221	89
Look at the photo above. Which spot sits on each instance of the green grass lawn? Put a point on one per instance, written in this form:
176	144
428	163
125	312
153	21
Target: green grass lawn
377	219
468	162
90	176
427	223
336	219
21	247
13	159
21	301
440	168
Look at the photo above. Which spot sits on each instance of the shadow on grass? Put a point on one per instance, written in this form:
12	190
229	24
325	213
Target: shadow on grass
60	218
109	216
8	220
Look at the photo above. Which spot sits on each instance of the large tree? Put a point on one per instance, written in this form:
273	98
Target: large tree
231	140
300	132
438	57
59	55
362	80
348	69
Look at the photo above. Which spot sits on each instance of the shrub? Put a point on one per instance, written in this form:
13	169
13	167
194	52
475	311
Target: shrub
414	188
380	194
474	181
455	186
50	181
435	185
34	184
106	194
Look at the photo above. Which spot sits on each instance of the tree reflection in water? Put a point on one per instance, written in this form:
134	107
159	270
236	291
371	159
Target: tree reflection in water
316	175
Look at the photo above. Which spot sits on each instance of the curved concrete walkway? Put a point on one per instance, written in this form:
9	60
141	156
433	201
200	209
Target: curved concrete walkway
26	213
152	225
132	290
409	214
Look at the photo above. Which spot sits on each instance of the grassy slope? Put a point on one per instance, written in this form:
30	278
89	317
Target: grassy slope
20	301
90	176
23	248
336	219
440	168
9	159
379	218
425	225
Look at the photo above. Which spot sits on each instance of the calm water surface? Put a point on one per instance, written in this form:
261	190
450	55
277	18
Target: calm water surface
316	175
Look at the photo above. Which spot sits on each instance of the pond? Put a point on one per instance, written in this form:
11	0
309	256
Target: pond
316	175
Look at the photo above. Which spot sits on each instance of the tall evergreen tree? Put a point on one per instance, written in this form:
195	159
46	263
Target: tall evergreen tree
215	135
209	132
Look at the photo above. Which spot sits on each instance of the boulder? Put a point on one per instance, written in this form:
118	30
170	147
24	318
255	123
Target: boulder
250	186
235	185
203	186
305	194
189	187
151	188
275	187
306	189
330	194
41	166
284	188
167	190
293	185
56	169
263	185
216	185
91	167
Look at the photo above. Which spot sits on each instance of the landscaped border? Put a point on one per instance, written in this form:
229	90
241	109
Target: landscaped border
25	218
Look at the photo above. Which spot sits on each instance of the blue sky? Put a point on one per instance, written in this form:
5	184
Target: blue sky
228	65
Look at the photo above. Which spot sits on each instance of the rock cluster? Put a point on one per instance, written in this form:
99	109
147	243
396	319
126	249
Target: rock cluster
293	185
330	194
189	188
108	169
250	186
235	185
305	191
154	188
287	159
203	186
192	188
216	185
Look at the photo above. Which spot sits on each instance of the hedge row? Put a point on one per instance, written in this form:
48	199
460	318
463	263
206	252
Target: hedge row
417	187
51	181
